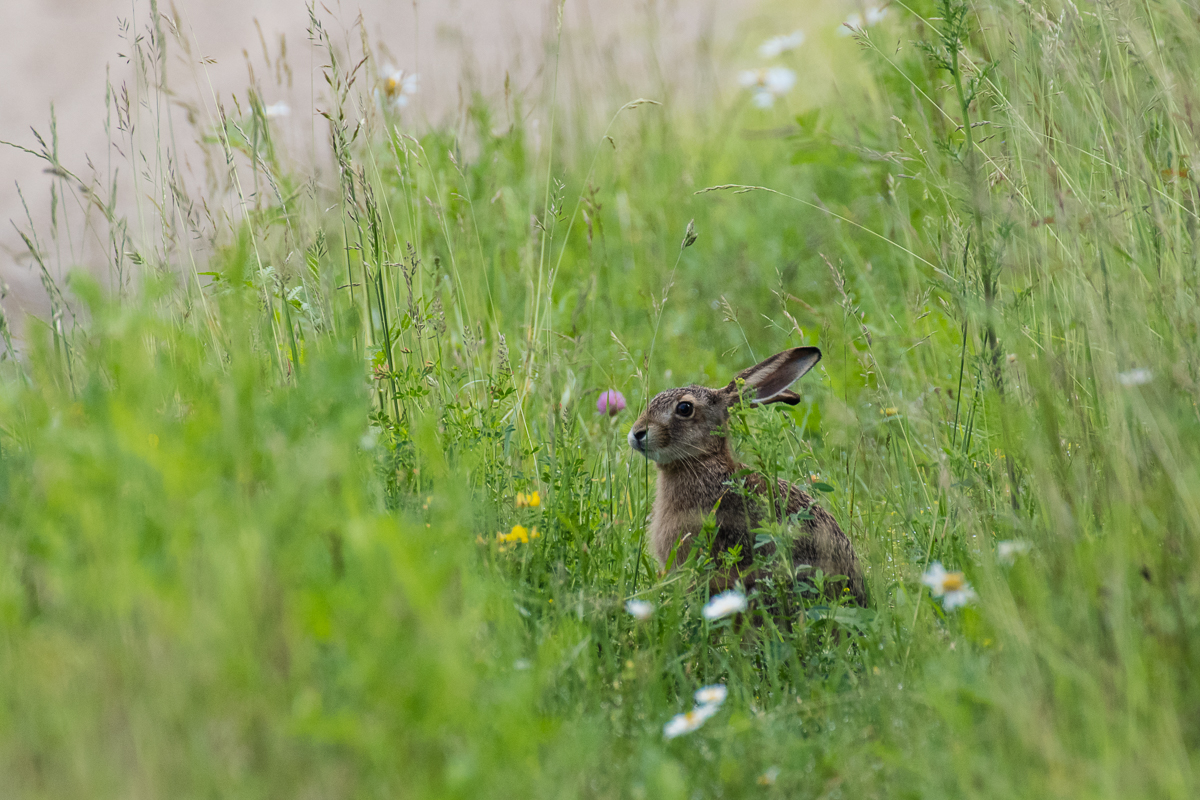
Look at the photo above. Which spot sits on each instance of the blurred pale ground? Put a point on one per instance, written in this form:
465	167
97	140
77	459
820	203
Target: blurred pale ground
59	52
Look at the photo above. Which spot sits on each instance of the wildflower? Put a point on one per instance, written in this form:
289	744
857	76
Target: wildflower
531	500
519	533
778	45
1008	551
280	109
611	402
890	411
639	609
1135	377
712	695
952	587
724	604
769	777
395	88
681	724
856	22
767	84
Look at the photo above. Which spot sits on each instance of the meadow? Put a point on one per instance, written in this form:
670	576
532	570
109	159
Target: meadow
333	512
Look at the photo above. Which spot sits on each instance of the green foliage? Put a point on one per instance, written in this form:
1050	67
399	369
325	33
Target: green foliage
260	532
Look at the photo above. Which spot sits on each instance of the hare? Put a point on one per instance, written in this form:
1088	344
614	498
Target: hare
684	432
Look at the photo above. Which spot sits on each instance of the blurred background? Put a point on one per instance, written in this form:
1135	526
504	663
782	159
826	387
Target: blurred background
77	63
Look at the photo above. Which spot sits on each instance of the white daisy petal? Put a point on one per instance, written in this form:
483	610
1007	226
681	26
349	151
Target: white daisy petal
1008	551
682	724
748	78
639	609
771	48
1135	377
724	604
958	597
780	80
934	577
712	695
778	45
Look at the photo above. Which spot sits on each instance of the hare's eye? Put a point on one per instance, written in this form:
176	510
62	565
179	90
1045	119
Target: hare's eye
684	409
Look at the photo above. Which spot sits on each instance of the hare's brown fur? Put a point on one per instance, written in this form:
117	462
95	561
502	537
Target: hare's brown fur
696	470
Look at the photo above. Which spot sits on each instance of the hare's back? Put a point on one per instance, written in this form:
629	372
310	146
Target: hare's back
822	543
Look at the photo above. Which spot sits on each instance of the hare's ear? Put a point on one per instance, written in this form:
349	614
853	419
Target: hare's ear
768	382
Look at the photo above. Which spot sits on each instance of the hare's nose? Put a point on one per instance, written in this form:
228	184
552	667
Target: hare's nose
637	439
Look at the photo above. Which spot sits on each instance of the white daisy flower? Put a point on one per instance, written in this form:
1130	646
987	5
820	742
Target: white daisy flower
769	777
1008	551
767	84
778	45
681	724
1135	377
724	604
952	587
395	88
712	695
639	609
280	109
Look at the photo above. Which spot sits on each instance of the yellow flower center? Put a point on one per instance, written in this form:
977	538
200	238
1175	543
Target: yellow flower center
953	582
391	84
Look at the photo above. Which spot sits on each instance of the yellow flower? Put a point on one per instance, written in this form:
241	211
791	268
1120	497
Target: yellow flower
531	500
890	411
519	533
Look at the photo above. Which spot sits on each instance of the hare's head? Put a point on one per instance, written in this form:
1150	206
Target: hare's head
687	424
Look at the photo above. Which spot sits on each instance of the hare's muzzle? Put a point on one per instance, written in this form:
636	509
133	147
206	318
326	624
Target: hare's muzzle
637	439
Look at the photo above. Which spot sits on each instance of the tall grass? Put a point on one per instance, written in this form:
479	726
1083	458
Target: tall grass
249	509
